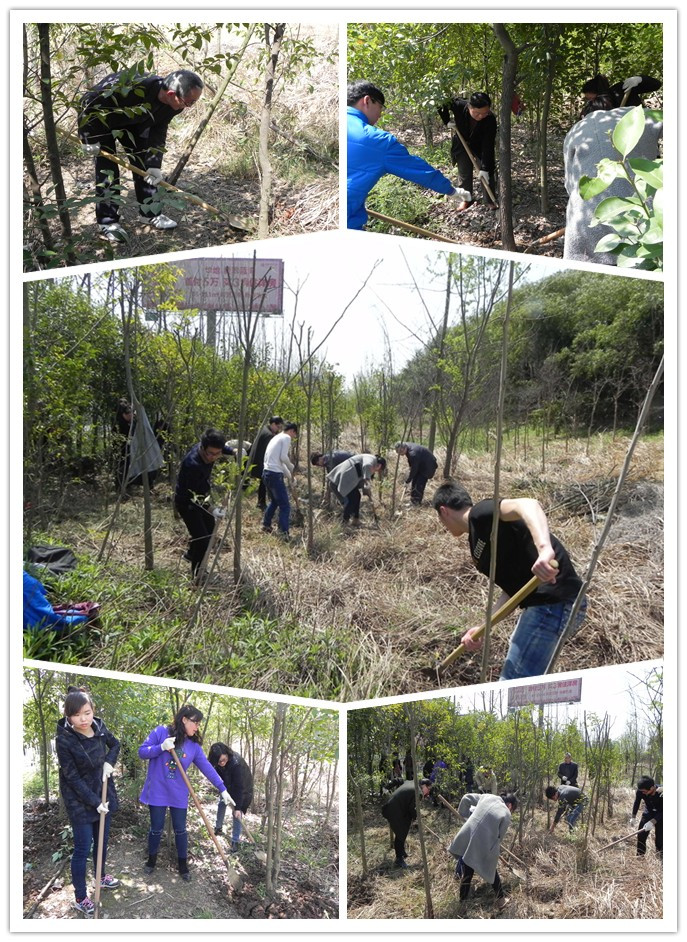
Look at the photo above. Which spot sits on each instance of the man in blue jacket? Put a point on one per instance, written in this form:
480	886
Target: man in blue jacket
372	153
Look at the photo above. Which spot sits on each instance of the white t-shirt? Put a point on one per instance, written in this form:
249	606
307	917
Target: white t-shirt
277	455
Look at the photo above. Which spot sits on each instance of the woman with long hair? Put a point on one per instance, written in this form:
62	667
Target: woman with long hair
86	752
165	788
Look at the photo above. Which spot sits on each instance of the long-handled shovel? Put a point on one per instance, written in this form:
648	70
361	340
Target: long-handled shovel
234	221
232	875
620	840
101	848
498	616
476	166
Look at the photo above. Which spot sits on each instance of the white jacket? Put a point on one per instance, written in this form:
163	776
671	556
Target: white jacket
277	455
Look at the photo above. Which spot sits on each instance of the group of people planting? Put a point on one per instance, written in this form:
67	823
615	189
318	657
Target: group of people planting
485	816
373	153
87	753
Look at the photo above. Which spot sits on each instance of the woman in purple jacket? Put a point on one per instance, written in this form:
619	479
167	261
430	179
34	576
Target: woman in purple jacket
164	787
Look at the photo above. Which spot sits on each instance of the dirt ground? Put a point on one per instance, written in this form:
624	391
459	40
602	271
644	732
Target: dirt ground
305	892
555	878
480	226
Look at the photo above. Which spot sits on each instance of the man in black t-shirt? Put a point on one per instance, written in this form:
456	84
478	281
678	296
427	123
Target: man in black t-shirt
525	547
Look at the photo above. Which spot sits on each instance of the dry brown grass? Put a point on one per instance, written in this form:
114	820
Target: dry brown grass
387	600
564	881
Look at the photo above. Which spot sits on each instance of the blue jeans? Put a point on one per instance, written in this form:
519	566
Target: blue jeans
236	826
574	813
85	837
535	638
274	482
157	824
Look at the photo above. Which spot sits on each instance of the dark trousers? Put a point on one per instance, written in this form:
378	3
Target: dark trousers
157	826
461	160
417	488
351	504
466	879
85	838
643	836
200	524
400	829
107	187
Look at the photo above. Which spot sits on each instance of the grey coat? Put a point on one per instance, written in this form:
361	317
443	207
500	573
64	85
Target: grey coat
586	143
352	473
479	840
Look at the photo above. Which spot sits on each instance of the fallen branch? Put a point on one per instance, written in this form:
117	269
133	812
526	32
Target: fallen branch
46	889
544	239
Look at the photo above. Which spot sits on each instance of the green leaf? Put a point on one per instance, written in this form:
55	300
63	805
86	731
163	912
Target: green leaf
608	242
649	170
615	205
592	186
610	170
628	131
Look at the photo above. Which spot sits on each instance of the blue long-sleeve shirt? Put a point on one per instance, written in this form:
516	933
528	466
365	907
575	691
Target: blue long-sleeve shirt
373	153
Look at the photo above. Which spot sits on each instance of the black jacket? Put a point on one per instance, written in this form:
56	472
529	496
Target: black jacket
568	770
81	761
400	806
194	477
258	449
237	777
421	462
102	111
653	805
480	135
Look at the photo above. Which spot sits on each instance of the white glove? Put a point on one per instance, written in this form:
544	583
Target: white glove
153	176
649	826
238	813
225	797
463	196
103	807
168	744
218	513
90	150
107	770
631	819
632	82
484	176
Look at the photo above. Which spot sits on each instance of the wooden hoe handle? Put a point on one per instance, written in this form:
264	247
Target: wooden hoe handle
498	616
99	856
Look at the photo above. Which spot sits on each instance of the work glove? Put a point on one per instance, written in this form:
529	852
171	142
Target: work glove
153	176
462	196
484	176
632	82
168	744
107	770
103	807
90	150
649	826
631	819
225	797
238	813
564	781
218	513
367	490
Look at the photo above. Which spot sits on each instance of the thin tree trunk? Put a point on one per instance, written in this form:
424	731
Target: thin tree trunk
273	47
219	94
429	908
51	140
544	127
510	65
36	196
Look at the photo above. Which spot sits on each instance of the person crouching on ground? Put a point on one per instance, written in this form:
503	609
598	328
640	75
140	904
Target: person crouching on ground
238	781
525	547
400	811
192	493
278	468
571	803
478	844
165	788
86	753
351	477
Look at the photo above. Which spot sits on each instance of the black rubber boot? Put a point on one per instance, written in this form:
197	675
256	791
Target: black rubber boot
183	868
149	865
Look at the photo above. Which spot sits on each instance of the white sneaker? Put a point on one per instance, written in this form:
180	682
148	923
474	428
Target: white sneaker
162	222
112	232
